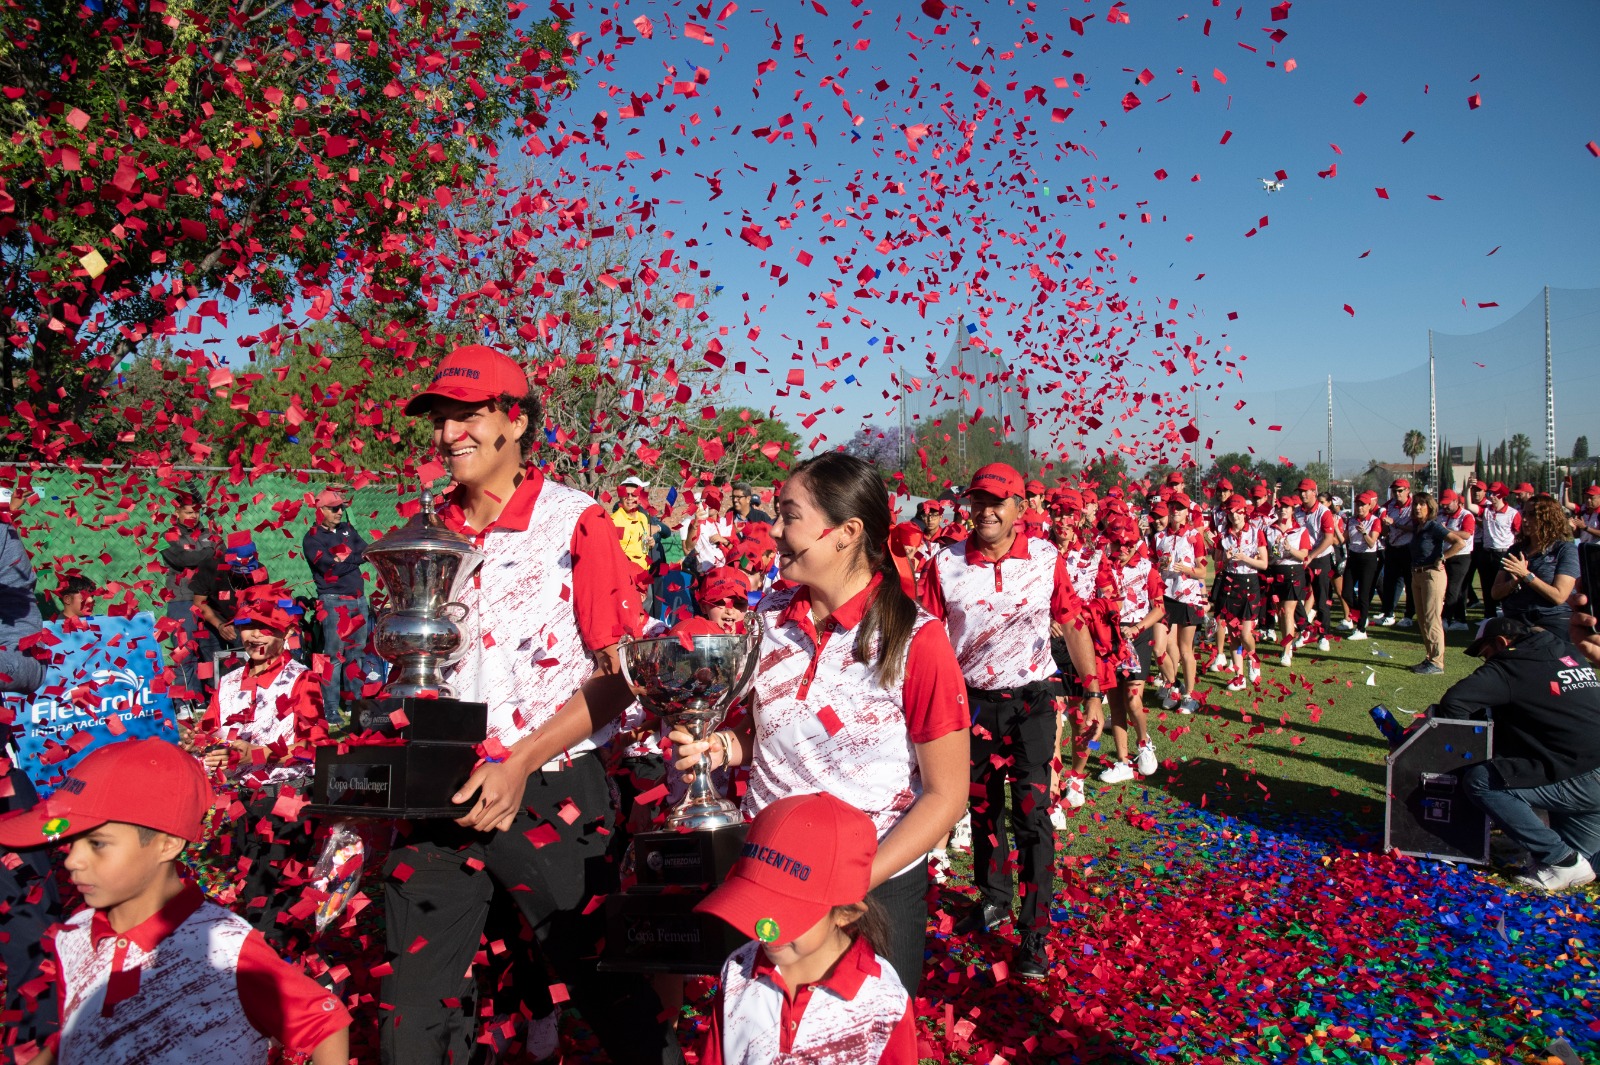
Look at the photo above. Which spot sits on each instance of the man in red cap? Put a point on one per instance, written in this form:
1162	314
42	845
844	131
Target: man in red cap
1461	527
1502	525
1398	530
334	551
1522	495
1001	596
1322	529
545	611
1035	520
1586	523
150	971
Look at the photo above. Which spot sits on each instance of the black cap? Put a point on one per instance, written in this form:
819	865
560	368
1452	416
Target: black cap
1511	629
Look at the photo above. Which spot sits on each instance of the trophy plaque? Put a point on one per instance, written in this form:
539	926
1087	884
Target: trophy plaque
415	744
690	682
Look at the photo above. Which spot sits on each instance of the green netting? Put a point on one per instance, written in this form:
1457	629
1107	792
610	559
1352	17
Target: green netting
106	523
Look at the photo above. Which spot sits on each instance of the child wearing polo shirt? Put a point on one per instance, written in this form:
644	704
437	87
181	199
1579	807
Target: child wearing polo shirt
814	984
151	973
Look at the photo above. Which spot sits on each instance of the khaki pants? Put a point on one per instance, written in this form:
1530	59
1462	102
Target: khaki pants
1427	591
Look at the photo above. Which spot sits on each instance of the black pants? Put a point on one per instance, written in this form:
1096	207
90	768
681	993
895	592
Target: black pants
1360	576
1396	575
1320	572
1457	575
1017	727
264	844
903	901
437	910
1488	562
29	905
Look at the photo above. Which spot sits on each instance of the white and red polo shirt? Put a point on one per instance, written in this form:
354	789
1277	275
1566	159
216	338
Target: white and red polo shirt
999	612
1399	534
1083	566
1296	536
1247	540
1501	527
1318	522
1181	547
859	1014
554	588
1135	586
1463	522
824	722
192	985
1590	533
1357	529
1034	523
280	708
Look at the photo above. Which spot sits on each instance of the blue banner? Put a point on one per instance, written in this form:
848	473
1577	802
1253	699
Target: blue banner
97	690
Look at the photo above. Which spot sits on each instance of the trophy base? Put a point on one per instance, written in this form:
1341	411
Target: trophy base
400	781
427	720
659	932
652	927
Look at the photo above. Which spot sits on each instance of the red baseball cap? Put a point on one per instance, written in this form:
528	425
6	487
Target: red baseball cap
1498	488
473	373
1087	498
1069	499
1369	496
1288	501
1224	485
1159	510
1448	496
997	479
803	856
1179	501
331	497
711	497
1036	488
266	606
1236	502
149	783
1122	530
1592	490
1401	483
1308	485
1175	477
722	584
1524	487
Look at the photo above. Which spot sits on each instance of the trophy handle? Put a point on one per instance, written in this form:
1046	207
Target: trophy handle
456	612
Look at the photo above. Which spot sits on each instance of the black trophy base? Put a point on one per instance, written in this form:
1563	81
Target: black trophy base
422	720
401	781
652	927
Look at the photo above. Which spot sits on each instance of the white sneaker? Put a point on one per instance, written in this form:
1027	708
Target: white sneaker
1169	700
1287	658
1058	818
1387	621
1237	684
1405	623
1347	624
1217	663
1188	706
1357	635
1556	878
940	865
1255	672
1270	636
961	835
1322	644
1146	760
1120	773
1074	796
1303	639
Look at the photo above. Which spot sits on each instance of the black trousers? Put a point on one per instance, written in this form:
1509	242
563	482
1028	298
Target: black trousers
1457	575
1396	575
29	905
1488	562
264	844
903	901
1015	727
1360	579
440	886
1320	571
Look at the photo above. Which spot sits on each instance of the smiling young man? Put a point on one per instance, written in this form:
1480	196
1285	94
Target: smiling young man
545	611
1002	595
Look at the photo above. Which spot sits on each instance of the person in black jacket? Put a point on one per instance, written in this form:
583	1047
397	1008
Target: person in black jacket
335	552
185	549
1544	699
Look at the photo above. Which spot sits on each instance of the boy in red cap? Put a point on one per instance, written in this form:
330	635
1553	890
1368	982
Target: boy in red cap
1035	519
151	972
813	984
1130	579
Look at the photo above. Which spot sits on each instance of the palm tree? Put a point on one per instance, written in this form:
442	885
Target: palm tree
1415	443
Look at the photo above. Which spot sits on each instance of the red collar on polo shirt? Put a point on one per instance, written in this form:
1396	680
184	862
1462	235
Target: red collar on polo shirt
848	616
975	556
264	679
148	934
515	517
848	975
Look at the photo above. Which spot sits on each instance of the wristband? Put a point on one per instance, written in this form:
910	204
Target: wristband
725	739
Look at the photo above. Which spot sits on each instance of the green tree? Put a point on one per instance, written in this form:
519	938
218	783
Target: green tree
1521	456
1447	473
156	155
1414	444
1580	448
738	444
935	455
1106	471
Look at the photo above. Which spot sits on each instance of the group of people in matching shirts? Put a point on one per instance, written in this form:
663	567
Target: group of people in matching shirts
899	678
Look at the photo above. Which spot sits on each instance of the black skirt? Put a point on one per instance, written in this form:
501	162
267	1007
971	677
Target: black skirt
1239	597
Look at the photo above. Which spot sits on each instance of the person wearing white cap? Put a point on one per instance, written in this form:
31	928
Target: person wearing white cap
632	523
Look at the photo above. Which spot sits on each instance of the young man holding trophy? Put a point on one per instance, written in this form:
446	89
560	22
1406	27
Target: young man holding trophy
545	611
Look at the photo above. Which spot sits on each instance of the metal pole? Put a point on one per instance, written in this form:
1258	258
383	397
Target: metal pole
1331	475
1433	422
1549	404
900	372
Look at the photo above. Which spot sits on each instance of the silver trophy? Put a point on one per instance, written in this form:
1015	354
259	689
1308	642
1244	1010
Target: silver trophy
691	682
421	565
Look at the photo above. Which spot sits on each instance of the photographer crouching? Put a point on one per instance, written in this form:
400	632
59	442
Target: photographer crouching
1544	699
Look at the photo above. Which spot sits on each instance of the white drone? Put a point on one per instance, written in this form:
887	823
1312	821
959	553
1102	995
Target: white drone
1272	185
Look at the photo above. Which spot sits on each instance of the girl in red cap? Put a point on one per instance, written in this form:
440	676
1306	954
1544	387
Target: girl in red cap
1130	580
1242	557
1180	554
1288	544
1362	529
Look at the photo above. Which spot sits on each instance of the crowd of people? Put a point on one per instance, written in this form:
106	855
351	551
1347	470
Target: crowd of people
931	680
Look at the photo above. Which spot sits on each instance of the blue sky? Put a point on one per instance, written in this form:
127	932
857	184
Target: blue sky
1512	174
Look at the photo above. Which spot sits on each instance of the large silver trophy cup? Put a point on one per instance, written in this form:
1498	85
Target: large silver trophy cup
691	682
420	564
